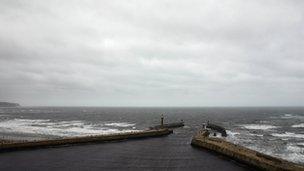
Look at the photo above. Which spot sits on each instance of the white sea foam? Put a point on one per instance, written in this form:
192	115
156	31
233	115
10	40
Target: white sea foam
231	136
258	135
120	124
301	125
301	143
258	126
292	116
287	115
231	133
186	127
288	135
58	128
294	153
295	149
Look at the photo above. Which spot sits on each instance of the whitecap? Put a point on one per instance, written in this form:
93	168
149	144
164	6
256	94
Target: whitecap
301	125
288	135
288	115
186	127
294	153
231	133
257	135
291	153
57	128
291	116
119	124
300	144
258	126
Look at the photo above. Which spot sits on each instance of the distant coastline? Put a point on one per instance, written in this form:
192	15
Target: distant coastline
8	104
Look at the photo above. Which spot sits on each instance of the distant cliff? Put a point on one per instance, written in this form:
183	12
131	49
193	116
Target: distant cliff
7	104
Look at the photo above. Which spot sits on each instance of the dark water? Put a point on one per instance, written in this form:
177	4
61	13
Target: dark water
275	131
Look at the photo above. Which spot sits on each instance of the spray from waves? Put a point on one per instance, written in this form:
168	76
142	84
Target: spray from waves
258	126
62	128
232	136
231	133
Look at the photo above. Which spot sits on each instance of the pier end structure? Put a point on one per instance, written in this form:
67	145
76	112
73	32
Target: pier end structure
242	154
167	125
162	121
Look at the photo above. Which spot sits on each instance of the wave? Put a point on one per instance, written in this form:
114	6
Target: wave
301	125
120	124
288	135
301	144
292	116
287	116
257	135
258	126
291	152
232	136
60	128
231	133
294	153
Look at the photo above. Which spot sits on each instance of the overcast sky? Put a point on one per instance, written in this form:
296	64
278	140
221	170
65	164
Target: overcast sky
152	53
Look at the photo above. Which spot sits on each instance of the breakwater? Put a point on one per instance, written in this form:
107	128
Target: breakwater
87	139
242	154
169	125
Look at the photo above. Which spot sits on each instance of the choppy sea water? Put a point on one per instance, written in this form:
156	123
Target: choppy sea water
271	130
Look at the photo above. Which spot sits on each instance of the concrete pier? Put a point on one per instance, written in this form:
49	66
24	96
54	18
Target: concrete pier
242	154
167	125
87	139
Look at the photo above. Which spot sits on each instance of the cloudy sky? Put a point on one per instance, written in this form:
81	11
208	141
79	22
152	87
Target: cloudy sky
152	53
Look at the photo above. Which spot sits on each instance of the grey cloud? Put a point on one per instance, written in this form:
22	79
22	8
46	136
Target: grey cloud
154	53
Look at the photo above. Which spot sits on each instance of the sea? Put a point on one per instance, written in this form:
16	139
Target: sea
277	131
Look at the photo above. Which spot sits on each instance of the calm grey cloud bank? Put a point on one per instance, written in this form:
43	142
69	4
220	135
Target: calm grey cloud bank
152	53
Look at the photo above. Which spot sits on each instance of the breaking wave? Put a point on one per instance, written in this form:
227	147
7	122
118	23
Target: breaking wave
294	153
288	135
301	125
231	133
120	124
258	126
232	136
292	116
61	128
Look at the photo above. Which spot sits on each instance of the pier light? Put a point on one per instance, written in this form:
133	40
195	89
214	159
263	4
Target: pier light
162	120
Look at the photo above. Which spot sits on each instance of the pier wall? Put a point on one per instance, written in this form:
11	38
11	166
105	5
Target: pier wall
244	155
86	139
